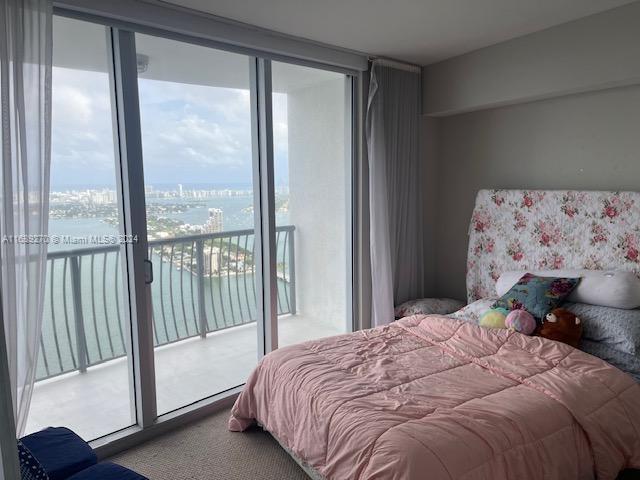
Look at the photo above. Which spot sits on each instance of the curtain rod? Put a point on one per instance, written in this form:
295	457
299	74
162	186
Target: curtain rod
387	62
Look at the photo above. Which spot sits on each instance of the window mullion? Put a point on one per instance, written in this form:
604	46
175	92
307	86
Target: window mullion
132	197
264	205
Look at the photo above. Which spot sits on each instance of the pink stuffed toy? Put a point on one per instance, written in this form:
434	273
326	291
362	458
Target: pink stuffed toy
521	321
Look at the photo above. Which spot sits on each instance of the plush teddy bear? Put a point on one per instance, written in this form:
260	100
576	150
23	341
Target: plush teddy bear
561	325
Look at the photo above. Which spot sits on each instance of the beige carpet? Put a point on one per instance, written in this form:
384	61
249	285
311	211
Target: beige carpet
207	450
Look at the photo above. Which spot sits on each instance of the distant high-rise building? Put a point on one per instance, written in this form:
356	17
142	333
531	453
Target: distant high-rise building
212	261
98	197
214	223
180	193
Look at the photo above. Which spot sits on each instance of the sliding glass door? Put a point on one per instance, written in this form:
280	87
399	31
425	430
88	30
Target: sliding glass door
202	204
196	139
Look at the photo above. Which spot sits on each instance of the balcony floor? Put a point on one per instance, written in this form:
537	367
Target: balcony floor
97	402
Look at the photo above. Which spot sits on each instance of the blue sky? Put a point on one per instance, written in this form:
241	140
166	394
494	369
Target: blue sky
191	134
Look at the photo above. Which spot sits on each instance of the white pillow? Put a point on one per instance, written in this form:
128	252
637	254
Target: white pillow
607	288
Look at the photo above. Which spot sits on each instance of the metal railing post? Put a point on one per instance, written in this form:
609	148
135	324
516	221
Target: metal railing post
292	271
202	314
81	339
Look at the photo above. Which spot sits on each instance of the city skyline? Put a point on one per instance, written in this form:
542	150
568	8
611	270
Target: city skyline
171	212
178	190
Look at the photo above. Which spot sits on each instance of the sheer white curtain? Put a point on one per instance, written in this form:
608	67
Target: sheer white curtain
25	93
8	452
395	196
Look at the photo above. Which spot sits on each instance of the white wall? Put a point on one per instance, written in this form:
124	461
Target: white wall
317	198
595	52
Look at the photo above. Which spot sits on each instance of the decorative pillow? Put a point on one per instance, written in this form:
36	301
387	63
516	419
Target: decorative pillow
428	306
607	288
616	328
30	468
537	295
473	311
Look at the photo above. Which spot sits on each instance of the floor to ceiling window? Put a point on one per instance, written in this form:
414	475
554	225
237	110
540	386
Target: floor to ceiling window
201	174
196	140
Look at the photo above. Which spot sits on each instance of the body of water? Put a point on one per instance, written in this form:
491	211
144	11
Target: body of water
229	298
237	215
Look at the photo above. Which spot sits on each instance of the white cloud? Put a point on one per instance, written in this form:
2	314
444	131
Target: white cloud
207	129
71	104
191	133
82	140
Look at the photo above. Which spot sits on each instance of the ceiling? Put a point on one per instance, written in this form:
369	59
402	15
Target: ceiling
172	61
417	31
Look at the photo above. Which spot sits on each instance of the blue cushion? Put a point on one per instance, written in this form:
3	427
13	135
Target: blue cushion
537	295
107	471
30	468
60	452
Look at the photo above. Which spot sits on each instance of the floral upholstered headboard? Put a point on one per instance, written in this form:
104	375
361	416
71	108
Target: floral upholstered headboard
550	229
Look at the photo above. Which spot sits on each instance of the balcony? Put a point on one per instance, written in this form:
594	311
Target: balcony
204	311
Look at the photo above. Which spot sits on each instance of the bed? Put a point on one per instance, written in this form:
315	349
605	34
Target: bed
441	398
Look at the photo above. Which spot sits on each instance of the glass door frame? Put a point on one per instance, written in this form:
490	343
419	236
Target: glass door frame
264	205
129	158
131	194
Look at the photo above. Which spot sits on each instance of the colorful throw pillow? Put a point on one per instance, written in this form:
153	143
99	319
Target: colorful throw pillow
537	295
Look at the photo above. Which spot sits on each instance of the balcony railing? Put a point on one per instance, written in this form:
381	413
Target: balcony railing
202	284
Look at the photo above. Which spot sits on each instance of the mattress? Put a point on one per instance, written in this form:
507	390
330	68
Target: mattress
439	395
311	473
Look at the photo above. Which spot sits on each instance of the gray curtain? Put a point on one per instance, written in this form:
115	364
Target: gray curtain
395	195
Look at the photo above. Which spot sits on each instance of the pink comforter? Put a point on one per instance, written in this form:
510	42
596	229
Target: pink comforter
437	398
